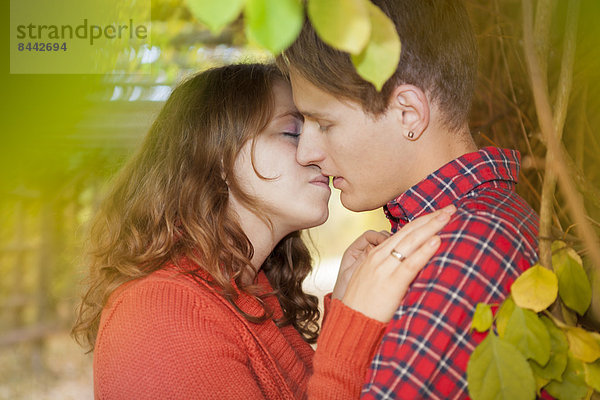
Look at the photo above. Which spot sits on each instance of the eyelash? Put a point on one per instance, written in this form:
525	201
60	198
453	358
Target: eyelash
323	128
292	134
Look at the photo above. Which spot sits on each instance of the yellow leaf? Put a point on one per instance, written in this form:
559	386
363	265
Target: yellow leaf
503	315
379	59
536	289
343	24
482	318
583	345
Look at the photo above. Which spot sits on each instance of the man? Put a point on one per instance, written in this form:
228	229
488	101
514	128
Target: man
408	148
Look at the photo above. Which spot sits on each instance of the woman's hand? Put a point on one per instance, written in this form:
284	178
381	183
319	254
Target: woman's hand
352	258
384	270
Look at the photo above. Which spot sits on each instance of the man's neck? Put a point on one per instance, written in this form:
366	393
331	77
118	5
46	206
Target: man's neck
439	148
449	146
435	149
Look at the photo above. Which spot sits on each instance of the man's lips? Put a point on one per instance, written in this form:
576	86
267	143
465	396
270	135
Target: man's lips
337	181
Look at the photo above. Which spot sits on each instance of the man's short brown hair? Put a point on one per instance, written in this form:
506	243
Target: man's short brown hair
439	55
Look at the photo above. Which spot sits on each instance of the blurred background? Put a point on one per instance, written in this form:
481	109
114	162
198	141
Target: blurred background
65	136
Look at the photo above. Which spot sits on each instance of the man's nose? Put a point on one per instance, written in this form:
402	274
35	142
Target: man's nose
310	147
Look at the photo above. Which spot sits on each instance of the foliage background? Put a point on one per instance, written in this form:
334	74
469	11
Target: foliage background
64	137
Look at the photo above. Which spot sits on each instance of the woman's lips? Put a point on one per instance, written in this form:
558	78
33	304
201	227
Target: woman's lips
321	180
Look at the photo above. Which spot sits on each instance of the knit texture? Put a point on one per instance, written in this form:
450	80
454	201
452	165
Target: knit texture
167	336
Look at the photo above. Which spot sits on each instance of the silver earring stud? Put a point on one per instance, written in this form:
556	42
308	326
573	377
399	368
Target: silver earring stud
411	134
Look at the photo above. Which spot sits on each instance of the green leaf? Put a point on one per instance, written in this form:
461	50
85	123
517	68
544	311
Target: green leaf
482	318
497	370
216	14
573	386
503	315
539	383
583	345
559	347
573	284
592	375
274	24
379	59
528	334
343	24
536	289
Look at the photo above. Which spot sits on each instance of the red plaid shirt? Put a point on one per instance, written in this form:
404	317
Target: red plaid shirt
490	241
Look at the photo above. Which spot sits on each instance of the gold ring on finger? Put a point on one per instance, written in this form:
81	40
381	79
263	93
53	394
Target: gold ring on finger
397	255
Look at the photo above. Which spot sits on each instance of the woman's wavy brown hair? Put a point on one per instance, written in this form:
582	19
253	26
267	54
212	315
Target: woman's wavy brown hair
171	201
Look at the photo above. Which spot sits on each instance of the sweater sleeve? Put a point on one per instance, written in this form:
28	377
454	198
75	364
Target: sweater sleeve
345	349
326	306
158	342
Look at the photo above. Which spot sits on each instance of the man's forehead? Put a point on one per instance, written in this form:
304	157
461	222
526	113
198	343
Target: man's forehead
310	100
302	87
325	108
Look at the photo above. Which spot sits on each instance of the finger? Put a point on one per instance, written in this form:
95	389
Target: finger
369	237
360	242
348	272
361	258
406	244
403	273
376	238
422	220
410	268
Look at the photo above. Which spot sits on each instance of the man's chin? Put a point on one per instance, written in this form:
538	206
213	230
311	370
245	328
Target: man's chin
355	204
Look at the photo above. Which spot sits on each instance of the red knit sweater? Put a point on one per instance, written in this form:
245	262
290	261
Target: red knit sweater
167	336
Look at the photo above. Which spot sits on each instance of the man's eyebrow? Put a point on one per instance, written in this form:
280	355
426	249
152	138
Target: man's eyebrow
293	113
314	115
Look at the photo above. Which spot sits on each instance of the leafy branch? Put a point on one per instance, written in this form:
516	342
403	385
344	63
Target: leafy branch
357	27
529	349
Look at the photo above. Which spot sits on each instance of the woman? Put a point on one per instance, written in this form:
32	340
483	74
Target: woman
197	260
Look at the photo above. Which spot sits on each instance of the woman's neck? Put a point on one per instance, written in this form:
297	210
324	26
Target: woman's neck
262	237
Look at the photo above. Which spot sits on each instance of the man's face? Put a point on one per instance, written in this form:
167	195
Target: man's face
364	154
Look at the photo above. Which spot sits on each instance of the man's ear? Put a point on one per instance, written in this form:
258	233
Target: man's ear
412	108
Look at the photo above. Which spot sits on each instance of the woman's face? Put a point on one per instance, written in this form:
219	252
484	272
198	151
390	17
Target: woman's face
294	197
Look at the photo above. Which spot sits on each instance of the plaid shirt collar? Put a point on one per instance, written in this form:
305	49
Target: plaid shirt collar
454	181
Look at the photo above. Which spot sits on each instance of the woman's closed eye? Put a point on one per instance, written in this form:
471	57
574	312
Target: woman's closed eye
293	134
293	129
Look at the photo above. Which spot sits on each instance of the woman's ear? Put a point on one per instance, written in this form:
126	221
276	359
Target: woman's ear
412	107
